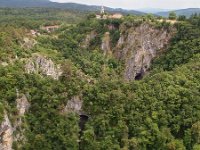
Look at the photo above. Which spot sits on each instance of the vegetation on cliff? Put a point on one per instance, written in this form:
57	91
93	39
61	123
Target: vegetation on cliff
160	111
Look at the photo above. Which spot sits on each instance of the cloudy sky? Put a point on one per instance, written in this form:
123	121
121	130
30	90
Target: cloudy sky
136	4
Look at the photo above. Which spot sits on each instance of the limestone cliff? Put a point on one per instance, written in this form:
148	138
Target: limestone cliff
7	129
6	134
22	107
137	47
88	39
74	105
28	43
43	65
82	76
105	46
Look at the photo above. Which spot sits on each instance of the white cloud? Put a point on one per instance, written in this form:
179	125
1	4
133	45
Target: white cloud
135	4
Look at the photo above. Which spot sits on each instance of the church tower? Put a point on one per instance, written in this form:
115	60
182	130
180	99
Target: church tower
102	10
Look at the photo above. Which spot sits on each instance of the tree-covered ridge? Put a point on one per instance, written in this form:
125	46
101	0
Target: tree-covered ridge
181	12
184	45
161	111
65	6
33	18
154	113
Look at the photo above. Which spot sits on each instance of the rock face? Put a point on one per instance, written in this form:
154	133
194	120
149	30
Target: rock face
42	65
137	46
74	105
6	134
22	106
28	43
88	39
6	129
105	46
85	77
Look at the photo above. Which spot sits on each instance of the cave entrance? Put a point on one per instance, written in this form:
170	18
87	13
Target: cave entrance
139	75
82	121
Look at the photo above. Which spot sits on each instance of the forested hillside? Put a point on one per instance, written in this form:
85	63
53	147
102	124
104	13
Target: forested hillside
73	82
33	18
65	6
186	12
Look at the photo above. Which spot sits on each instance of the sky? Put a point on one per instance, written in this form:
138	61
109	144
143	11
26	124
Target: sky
138	4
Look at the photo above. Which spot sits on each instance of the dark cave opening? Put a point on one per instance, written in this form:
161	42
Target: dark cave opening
82	121
139	75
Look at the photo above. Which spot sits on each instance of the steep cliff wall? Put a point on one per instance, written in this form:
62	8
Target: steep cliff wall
137	46
6	134
42	65
74	105
88	39
7	130
105	46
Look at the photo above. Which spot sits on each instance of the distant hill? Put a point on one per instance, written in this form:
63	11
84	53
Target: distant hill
152	10
187	12
69	6
24	3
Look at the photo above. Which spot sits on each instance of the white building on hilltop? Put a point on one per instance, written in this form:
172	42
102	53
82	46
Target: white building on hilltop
103	15
102	10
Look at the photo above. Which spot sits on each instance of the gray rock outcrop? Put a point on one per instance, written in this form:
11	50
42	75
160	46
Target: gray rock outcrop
88	39
28	43
137	46
7	129
42	65
74	105
6	134
22	107
105	46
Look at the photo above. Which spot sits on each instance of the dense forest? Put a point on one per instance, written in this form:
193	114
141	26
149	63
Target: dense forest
33	18
63	90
